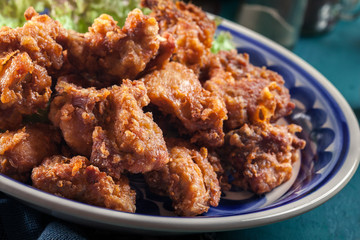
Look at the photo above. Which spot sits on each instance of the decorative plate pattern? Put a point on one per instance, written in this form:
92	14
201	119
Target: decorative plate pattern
327	163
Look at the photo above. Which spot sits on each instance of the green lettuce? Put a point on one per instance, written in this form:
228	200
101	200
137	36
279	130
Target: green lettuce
72	14
222	42
12	11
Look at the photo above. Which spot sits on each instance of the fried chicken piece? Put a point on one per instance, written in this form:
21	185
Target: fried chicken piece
251	94
214	159
24	88
24	149
119	53
176	90
239	66
76	179
37	38
131	140
188	179
192	29
28	55
76	111
262	155
166	49
136	143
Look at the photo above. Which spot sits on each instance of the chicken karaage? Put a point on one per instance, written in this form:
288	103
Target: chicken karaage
76	179
28	55
192	29
23	149
251	94
90	118
188	179
111	53
261	155
176	90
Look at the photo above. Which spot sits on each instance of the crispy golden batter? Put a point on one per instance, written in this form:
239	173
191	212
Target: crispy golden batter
251	94
166	49
238	65
192	29
188	179
76	111
136	142
24	149
24	88
262	155
37	38
119	53
214	159
27	54
76	179
176	90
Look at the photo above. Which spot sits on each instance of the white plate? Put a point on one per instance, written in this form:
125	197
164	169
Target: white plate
327	163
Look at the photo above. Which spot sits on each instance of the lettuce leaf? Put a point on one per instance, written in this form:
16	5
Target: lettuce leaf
12	11
222	42
80	14
72	14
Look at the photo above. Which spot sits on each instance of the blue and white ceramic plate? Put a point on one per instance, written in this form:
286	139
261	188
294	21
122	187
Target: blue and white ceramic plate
327	163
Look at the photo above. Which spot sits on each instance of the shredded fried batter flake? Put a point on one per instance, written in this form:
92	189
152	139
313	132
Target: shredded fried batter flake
113	53
76	179
251	94
262	155
176	90
192	29
25	148
188	179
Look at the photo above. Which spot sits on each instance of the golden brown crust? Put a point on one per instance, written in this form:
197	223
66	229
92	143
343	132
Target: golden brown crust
24	88
29	54
135	141
113	53
192	29
76	111
132	139
262	155
176	90
251	94
24	149
188	179
37	38
76	179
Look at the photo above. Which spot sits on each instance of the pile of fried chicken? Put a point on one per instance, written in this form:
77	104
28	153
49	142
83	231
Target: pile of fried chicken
148	98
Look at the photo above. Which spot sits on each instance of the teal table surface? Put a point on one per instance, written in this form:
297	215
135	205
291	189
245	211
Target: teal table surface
337	56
